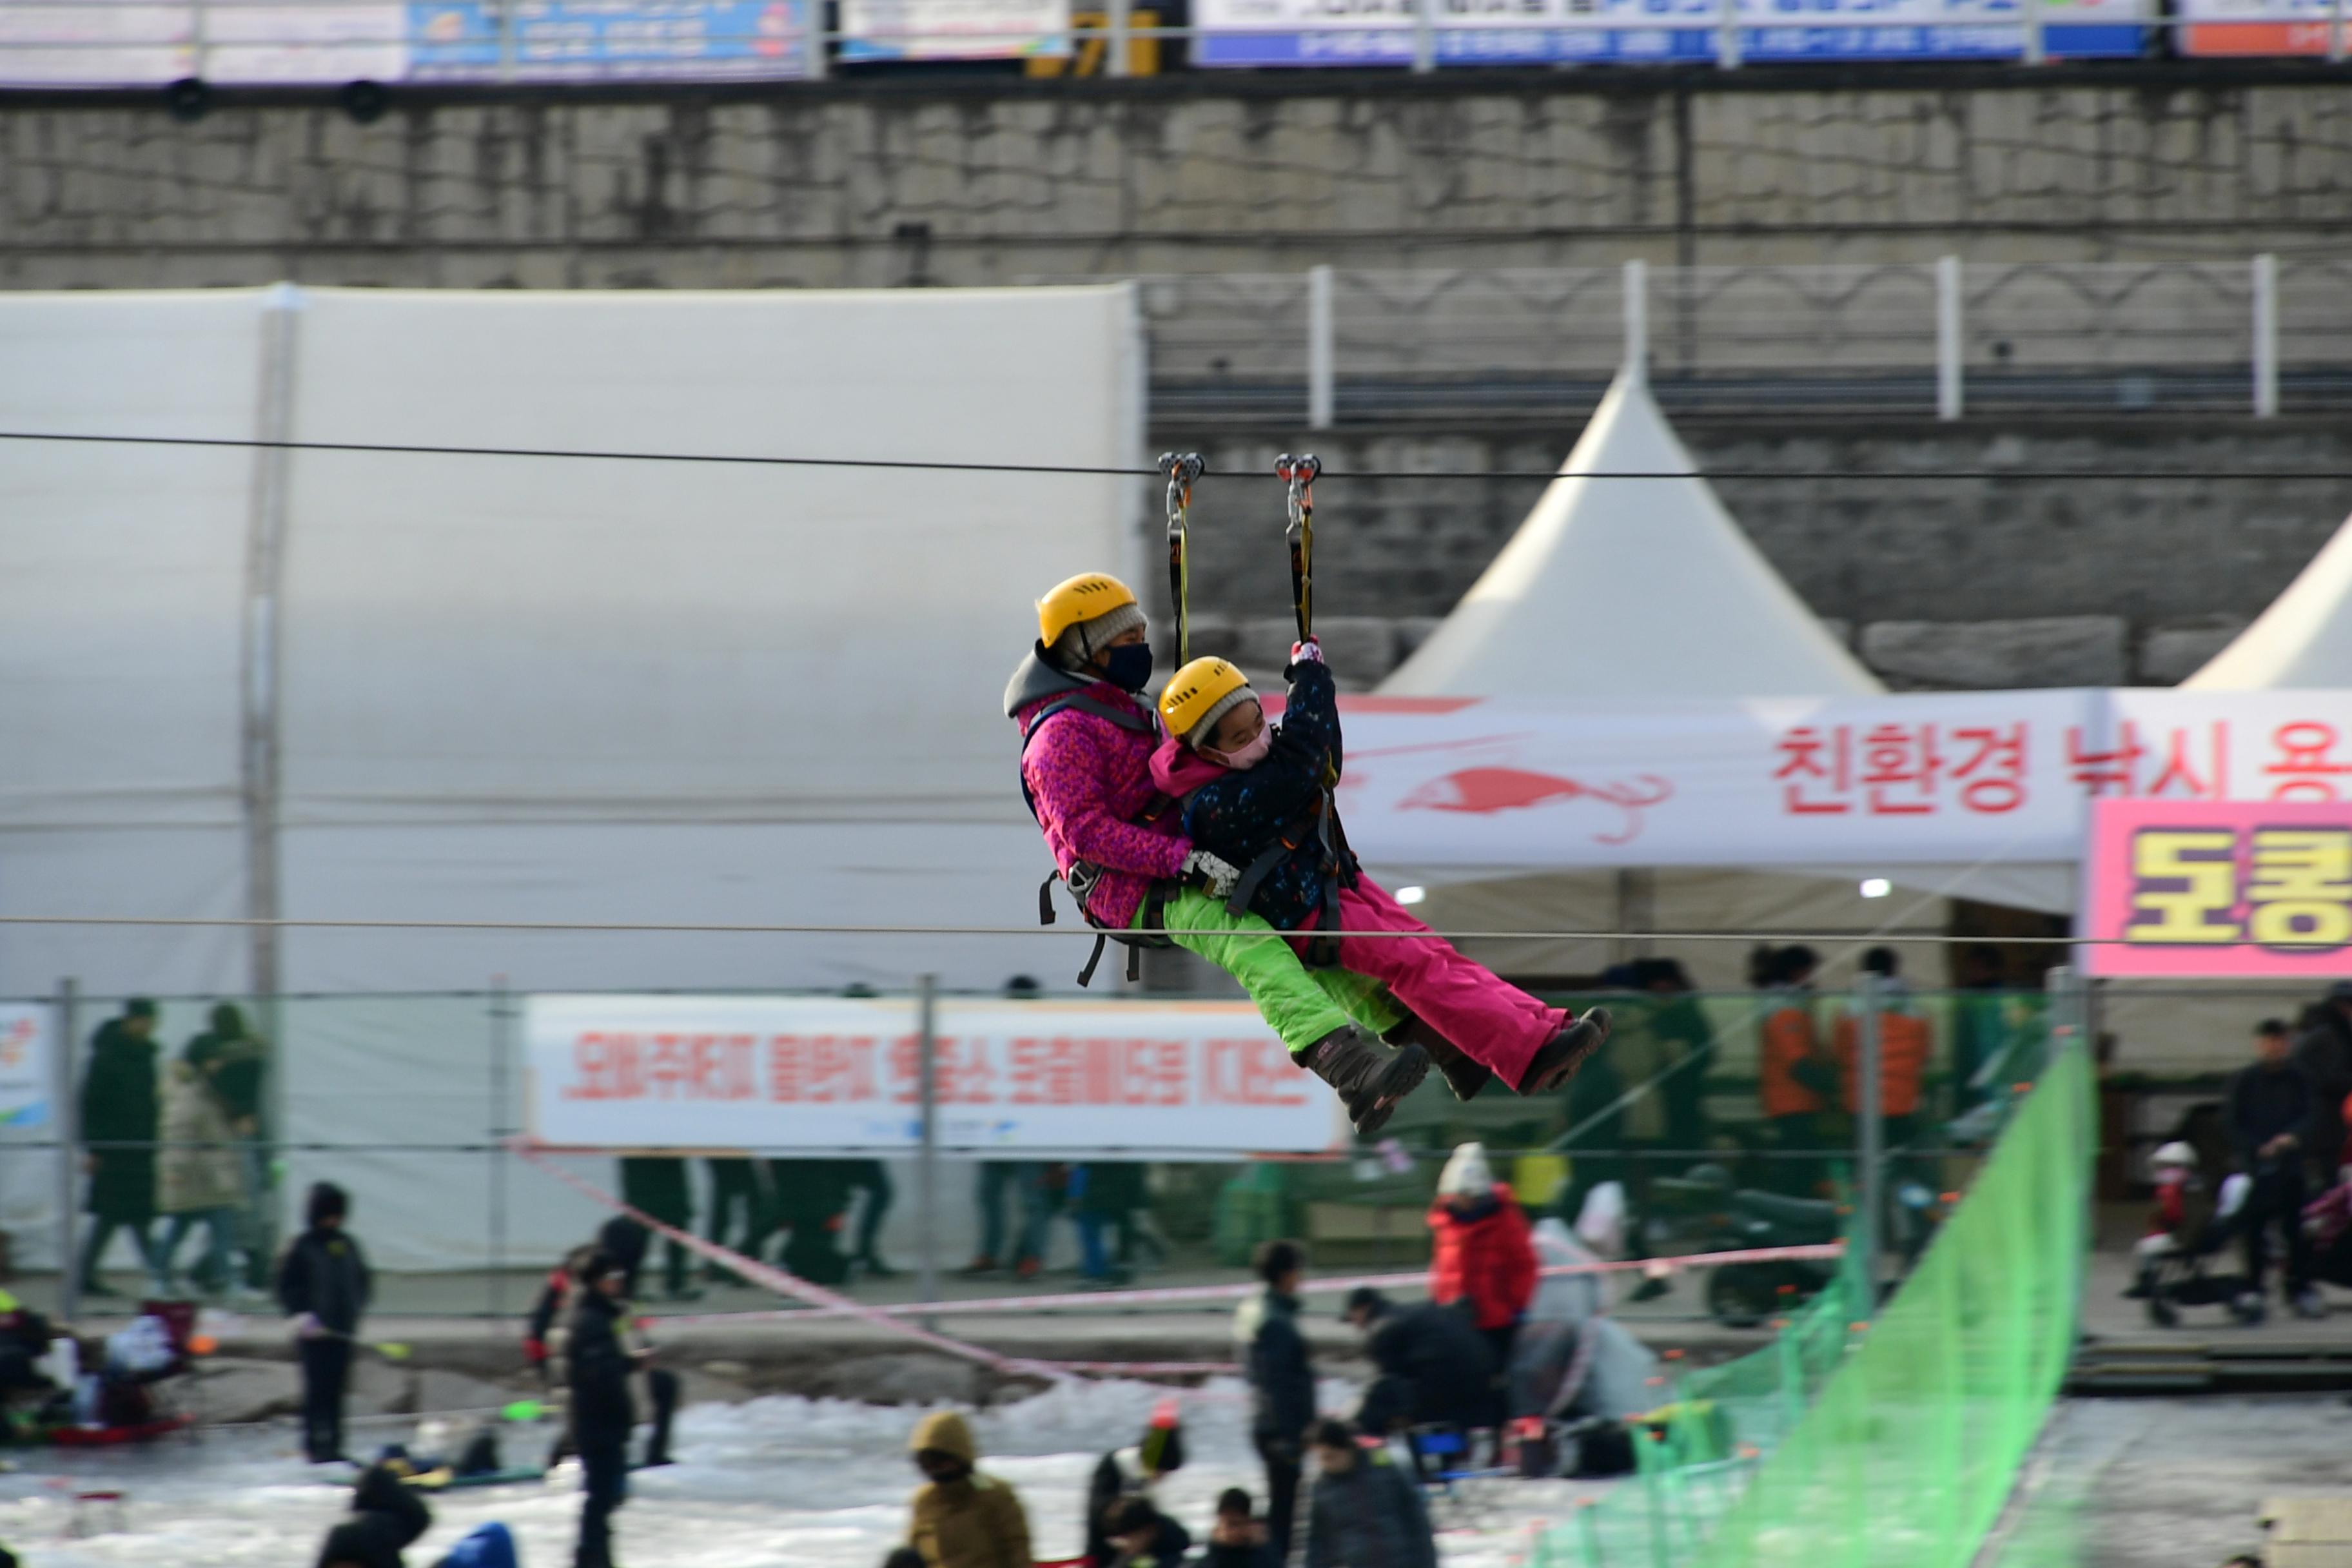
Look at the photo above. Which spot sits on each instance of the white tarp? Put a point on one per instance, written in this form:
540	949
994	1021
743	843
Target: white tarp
2305	638
532	689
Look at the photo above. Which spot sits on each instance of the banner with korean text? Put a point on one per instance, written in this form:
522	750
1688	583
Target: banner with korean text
1033	1080
1970	778
2219	889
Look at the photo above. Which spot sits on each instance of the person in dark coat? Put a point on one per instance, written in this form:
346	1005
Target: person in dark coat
387	1518
1236	1539
324	1285
2323	1050
1281	1373
602	1412
660	1188
542	1339
1128	1475
1143	1537
119	1116
2272	1111
739	1187
1366	1511
1435	1366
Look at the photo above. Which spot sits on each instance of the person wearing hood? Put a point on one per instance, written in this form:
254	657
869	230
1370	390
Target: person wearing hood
1255	794
324	1285
1281	1373
1086	769
962	1518
387	1517
1366	1511
1485	1256
240	1080
119	1116
1903	1049
1128	1475
200	1176
1434	1367
600	1358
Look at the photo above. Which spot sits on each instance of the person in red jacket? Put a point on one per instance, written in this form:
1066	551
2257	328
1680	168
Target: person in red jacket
1485	1257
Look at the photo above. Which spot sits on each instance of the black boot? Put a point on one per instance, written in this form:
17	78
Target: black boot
1369	1076
1465	1077
1565	1052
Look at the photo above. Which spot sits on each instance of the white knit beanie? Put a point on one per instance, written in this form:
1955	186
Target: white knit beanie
1466	1173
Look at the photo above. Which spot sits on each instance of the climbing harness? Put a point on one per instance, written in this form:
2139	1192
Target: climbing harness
1181	468
1083	875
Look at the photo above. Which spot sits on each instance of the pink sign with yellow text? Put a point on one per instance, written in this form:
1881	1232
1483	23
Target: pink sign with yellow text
2208	888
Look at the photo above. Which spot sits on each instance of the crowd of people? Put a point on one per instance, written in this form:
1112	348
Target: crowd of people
179	1138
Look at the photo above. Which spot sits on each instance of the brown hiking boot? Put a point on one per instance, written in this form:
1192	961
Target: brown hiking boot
1465	1077
1369	1075
1565	1052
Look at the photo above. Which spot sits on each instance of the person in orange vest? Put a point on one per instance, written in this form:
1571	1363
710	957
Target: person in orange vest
1796	1078
1904	1048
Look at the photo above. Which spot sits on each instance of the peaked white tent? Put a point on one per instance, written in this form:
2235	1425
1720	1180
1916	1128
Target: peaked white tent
2304	639
1640	587
1617	587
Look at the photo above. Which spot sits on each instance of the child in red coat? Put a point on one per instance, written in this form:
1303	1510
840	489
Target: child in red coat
1486	1255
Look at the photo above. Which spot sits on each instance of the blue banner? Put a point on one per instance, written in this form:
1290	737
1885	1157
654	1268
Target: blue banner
607	40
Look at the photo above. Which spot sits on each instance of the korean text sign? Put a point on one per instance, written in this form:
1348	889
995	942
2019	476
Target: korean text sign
1197	1079
2198	889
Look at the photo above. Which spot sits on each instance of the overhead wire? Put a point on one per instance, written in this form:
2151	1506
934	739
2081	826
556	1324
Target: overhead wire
756	459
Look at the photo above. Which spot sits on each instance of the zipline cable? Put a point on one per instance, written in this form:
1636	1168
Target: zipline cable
1907	476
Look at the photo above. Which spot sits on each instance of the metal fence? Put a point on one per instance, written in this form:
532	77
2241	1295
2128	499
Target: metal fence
1338	346
409	1101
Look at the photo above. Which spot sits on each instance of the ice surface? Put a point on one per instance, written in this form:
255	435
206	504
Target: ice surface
774	1483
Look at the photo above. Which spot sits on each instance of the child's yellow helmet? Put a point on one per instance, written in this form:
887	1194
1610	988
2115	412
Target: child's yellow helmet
1200	694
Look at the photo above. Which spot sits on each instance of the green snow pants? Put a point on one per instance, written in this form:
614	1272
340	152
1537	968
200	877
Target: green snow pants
1300	1003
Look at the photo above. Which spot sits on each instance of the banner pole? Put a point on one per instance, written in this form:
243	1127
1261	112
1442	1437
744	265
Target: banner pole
927	1186
62	1118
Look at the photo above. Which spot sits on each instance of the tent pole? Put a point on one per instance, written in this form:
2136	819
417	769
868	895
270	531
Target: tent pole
265	555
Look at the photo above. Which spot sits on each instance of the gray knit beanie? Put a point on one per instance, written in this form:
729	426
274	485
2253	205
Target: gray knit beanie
1198	735
1078	646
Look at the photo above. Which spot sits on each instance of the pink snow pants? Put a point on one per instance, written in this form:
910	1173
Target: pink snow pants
1488	1020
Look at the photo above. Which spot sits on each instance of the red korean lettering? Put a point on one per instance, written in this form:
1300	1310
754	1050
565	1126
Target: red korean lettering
1823	764
1993	766
1899	769
1250	1071
1047	1071
2179	769
2305	769
2103	772
668	1064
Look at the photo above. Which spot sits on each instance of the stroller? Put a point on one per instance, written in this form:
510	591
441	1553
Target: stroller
2177	1259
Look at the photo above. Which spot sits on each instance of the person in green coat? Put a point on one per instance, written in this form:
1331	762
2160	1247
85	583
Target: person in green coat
118	1115
241	1082
659	1187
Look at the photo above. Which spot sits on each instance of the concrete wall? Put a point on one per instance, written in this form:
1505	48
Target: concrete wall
2015	580
980	181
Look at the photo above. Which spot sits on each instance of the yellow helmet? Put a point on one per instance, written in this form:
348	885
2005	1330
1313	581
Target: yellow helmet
1201	693
1088	596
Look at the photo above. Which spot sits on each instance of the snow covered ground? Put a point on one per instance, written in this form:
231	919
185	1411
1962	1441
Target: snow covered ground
775	1483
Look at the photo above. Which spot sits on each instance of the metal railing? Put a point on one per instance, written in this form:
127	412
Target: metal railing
1337	345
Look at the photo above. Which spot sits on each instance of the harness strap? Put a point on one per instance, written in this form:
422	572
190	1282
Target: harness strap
1298	474
1181	468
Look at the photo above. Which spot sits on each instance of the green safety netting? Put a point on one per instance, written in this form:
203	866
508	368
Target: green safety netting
1842	1445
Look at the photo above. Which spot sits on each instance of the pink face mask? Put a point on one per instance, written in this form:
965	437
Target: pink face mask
1250	756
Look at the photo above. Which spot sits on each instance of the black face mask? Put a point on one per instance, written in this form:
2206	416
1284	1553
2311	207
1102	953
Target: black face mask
1128	667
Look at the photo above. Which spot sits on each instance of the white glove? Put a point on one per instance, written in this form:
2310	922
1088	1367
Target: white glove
1308	652
1220	875
308	1326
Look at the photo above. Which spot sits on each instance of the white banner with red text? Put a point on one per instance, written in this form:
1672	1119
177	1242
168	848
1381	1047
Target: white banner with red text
1189	1080
1971	777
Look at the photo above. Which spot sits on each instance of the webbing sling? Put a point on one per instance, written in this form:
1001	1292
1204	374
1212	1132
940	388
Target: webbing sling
1181	468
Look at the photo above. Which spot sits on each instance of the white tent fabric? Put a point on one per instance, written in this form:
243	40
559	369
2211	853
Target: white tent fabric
1629	587
2304	639
515	689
